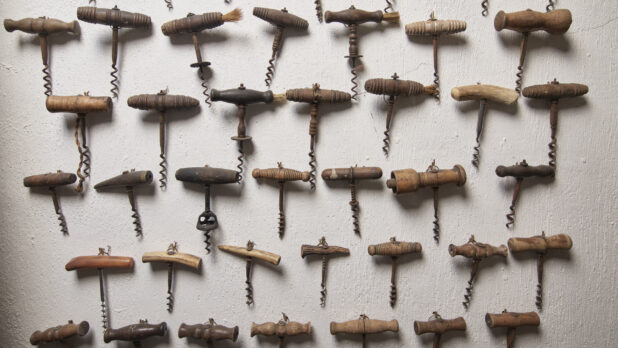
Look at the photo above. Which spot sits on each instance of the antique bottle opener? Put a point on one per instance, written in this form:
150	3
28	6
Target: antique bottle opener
51	181
325	251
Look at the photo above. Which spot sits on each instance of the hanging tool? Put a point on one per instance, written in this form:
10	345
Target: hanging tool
51	181
281	329
207	176
512	321
525	22
209	332
318	10
364	326
162	102
438	326
59	333
324	250
484	94
135	332
485	6
250	254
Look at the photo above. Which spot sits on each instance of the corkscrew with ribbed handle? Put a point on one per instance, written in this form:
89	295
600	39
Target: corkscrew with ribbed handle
511	321
59	333
325	251
282	329
364	326
438	327
51	181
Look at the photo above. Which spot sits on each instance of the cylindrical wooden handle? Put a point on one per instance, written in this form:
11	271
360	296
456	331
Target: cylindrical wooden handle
540	243
193	24
439	326
78	104
99	261
392	87
306	250
555	91
353	16
162	102
253	253
435	27
59	333
207	175
41	26
309	95
477	251
208	332
113	17
409	180
135	332
512	319
50	180
291	328
280	174
525	171
163	256
242	96
351	173
554	22
395	248
280	18
364	326
125	179
492	93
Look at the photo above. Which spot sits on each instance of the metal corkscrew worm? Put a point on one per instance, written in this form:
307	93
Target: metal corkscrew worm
325	251
210	332
389	6
550	6
169	5
51	181
485	6
318	10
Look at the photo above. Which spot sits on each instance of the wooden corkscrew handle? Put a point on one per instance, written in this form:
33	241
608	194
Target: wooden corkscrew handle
409	180
439	326
354	16
280	18
435	27
364	326
477	251
60	332
50	179
554	22
253	253
392	87
133	178
177	257
555	91
112	17
500	95
310	95
78	104
290	328
394	248
352	173
99	261
135	332
195	23
512	319
540	244
207	175
208	332
241	96
41	26
162	102
525	171
280	174
307	250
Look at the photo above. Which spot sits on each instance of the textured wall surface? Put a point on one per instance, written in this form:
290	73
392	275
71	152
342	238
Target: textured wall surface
582	201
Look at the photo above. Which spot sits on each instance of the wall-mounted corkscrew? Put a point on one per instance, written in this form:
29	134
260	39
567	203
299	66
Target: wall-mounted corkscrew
209	332
43	27
550	6
162	102
207	176
393	88
541	245
59	333
394	249
511	321
80	105
364	326
477	252
281	20
280	175
51	181
318	10
438	326
250	254
485	6
435	28
408	180
172	256
128	180
325	251
116	19
169	4
554	91
99	262
135	332
525	22
520	171
281	329
193	24
315	96
352	18
484	94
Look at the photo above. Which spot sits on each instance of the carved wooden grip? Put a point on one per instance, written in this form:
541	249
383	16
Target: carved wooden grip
241	96
99	261
291	328
135	332
280	174
409	180
353	16
555	91
397	88
208	332
554	22
163	256
435	27
525	171
306	250
50	179
364	326
395	248
439	326
280	18
492	93
126	179
512	319
60	332
113	17
162	102
477	250
540	244
253	253
78	104
309	95
207	175
42	26
351	173
193	23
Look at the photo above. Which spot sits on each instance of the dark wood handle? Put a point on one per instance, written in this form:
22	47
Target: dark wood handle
554	22
353	16
409	180
193	24
396	88
78	104
364	326
99	261
208	332
112	17
477	251
50	180
395	248
280	18
351	173
291	328
280	174
439	326
555	91
162	102
135	332
126	179
42	26
525	171
306	250
540	244
60	332
241	96
309	95
207	175
512	319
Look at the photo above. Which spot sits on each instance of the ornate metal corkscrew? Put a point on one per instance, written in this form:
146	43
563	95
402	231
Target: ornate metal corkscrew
325	251
51	181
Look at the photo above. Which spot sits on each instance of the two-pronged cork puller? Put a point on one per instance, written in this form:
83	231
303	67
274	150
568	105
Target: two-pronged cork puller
282	329
364	326
209	332
438	327
51	181
135	332
325	251
511	321
59	333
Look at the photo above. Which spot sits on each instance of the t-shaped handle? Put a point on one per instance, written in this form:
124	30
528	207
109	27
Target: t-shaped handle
364	326
242	96
196	23
492	93
394	248
523	170
252	253
50	179
477	251
78	104
41	26
439	326
555	90
60	332
352	173
352	16
554	22
280	174
162	102
99	261
397	88
112	17
135	332
209	332
317	95
280	18
281	329
207	175
409	180
126	179
540	244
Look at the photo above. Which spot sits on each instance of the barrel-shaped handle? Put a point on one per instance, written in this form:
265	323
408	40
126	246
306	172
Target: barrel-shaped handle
392	87
310	95
353	16
291	328
477	251
497	94
60	332
193	24
555	91
208	332
112	17
50	179
525	171
133	178
395	248
162	102
435	27
364	326
78	104
352	173
135	332
512	319
409	180
41	26
281	174
207	175
540	244
280	18
439	326
554	22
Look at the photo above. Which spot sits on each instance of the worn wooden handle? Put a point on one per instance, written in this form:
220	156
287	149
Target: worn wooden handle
193	23
241	96
409	180
162	102
78	104
351	173
309	95
254	253
435	27
555	91
477	251
163	256
280	18
392	87
125	179
364	326
113	17
353	16
306	250
135	332
395	248
207	175
512	319
492	93
540	244
50	179
99	261
554	22
41	26
207	332
439	326
281	174
291	328
60	332
525	171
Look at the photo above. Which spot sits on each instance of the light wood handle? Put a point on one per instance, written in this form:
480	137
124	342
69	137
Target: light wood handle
364	326
78	104
512	319
395	248
439	326
182	258
42	26
50	180
60	332
356	173
309	95
306	250
99	261
477	251
554	22
492	93
254	253
291	328
540	244
435	27
280	174
409	180
125	179
555	91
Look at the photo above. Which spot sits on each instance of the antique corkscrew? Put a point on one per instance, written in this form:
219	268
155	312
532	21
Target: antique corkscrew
100	262
485	6
318	10
477	252
207	176
394	87
511	321
352	18
324	250
281	329
281	20
281	175
554	91
409	180
43	27
51	181
135	332
194	24
484	94
394	249
162	102
438	326
59	333
550	6
315	96
209	332
116	19
241	97
525	22
172	256
250	254
435	28
352	175
520	171
128	180
364	326
80	105
541	244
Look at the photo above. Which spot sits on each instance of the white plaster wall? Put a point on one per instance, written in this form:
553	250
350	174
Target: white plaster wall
580	286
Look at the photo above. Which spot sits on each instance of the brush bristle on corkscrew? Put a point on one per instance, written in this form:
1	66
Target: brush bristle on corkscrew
233	16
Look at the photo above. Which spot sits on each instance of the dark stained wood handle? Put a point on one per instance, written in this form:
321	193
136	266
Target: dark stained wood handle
477	251
208	332
439	326
140	177
280	18
540	244
60	332
291	328
112	17
397	88
41	26
554	22
352	173
207	175
525	171
306	250
99	261
50	180
555	91
162	102
193	24
353	16
242	96
512	319
364	326
78	104
135	332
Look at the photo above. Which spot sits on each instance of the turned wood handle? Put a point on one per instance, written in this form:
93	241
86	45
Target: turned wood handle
512	319
254	253
291	328
112	17
477	251
554	22
353	16
208	333
280	18
50	180
59	333
308	95
409	180
435	27
135	178
207	175
162	102
525	171
395	248
555	91
135	332
192	24
439	326
364	326
492	93
42	26
182	258
306	250
78	104
281	174
397	88
99	261
241	96
351	173
540	244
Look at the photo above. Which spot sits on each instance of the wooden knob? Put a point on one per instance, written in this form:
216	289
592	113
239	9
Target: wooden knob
291	328
50	179
60	332
554	22
207	332
351	173
525	171
500	95
162	102
512	319
113	17
395	248
42	26
309	95
439	326
281	174
540	244
99	261
207	175
280	18
125	179
435	27
253	253
78	104
135	332
409	180
555	91
477	251
364	326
